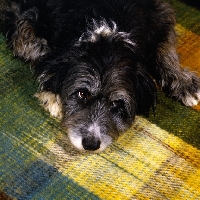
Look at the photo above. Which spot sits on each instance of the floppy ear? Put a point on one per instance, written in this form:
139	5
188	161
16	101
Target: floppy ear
51	72
146	92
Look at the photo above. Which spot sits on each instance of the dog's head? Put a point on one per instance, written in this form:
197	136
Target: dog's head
102	85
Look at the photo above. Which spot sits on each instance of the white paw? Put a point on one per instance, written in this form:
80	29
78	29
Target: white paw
192	100
51	102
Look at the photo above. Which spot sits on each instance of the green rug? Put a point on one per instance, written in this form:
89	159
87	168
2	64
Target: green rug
158	158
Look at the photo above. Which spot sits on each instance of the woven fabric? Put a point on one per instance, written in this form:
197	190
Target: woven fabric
158	158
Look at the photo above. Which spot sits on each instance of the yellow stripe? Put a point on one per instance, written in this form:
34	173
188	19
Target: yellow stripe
183	168
103	178
176	145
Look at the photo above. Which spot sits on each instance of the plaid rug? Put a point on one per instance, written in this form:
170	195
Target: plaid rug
158	158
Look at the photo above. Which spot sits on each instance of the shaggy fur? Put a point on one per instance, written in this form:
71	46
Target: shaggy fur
98	62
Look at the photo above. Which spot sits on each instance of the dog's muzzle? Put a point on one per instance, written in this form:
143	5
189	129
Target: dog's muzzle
90	142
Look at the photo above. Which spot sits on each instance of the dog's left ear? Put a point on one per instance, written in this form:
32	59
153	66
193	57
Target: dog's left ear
146	92
51	72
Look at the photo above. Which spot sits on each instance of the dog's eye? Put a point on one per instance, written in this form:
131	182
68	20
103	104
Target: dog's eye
83	95
117	103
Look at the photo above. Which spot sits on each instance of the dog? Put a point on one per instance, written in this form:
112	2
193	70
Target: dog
99	63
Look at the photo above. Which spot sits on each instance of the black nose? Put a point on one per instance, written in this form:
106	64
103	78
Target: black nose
91	144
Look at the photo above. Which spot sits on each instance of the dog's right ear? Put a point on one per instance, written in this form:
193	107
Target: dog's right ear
51	72
146	92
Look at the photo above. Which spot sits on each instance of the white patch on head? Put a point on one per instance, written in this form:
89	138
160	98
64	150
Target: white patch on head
51	103
104	29
192	100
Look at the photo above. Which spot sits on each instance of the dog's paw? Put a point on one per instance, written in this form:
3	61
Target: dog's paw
186	88
192	99
189	89
51	102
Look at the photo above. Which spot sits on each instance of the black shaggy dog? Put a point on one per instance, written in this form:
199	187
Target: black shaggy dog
98	62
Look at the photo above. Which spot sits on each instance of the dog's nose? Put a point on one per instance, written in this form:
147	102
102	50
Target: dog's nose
91	144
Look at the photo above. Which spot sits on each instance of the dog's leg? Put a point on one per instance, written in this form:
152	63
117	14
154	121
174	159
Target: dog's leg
20	31
177	82
51	103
